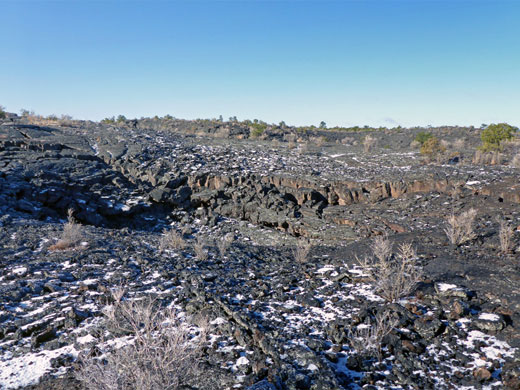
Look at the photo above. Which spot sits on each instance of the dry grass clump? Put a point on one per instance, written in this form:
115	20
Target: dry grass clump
162	356
368	339
393	275
171	239
368	143
461	228
71	236
505	234
301	251
199	247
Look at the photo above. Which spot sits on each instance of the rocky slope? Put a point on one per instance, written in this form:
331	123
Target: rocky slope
276	322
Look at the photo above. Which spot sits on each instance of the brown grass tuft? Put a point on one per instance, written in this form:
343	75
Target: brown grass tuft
71	236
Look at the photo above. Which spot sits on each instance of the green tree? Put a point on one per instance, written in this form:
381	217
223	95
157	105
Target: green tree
323	125
422	137
495	134
121	118
2	112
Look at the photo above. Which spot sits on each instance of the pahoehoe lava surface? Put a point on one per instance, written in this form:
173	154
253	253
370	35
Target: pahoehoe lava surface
275	323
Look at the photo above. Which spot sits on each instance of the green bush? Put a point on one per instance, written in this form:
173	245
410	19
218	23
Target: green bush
422	137
494	134
257	129
2	112
432	146
109	120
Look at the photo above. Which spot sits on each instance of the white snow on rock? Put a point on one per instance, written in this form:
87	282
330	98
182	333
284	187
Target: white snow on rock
489	317
242	361
20	271
86	339
27	369
445	287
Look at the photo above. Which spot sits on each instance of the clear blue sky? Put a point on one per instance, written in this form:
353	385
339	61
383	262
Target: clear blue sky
374	62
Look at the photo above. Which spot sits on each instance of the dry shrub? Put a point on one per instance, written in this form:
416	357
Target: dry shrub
302	148
415	144
459	144
162	356
444	144
222	132
381	248
461	228
290	137
347	140
224	243
71	236
301	251
171	239
393	275
368	339
318	141
433	148
515	162
487	158
199	247
368	143
505	234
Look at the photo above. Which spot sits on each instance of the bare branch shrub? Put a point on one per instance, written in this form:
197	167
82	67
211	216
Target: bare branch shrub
382	248
505	233
301	251
368	143
461	228
394	275
367	339
71	236
199	247
162	356
171	239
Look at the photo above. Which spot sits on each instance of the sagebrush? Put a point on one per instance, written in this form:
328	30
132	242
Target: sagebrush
461	228
160	356
393	275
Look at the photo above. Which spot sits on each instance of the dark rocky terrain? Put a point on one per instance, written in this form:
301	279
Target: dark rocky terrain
276	322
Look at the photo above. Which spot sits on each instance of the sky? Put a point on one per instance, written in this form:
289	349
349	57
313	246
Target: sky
359	62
